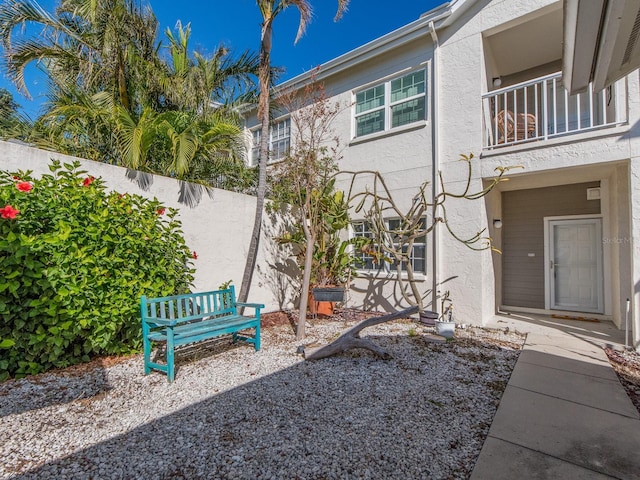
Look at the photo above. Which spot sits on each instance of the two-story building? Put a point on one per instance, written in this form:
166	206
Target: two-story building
488	77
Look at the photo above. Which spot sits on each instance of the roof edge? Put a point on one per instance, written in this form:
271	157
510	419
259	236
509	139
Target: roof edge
368	50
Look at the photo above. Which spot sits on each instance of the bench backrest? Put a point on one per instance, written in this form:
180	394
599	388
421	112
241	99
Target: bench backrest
190	306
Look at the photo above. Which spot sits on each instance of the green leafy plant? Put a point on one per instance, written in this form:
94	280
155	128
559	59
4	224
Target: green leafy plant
74	261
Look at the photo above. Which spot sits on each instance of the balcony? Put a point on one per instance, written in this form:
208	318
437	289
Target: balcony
542	109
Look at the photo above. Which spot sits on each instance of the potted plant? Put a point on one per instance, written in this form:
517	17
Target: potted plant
445	325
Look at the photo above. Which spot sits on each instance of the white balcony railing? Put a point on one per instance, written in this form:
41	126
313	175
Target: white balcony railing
541	109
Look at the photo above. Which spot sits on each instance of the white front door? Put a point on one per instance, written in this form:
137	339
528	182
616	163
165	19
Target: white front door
575	263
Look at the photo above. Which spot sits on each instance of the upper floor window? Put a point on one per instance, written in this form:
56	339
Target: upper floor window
279	141
391	104
367	261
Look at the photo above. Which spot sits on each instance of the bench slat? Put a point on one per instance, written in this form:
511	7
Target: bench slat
206	326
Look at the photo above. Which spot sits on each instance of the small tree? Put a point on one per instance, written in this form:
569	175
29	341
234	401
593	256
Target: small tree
270	9
305	181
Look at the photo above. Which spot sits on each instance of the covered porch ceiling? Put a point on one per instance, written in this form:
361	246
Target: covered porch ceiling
526	42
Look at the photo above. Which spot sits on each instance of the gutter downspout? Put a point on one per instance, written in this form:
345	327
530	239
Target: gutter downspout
435	155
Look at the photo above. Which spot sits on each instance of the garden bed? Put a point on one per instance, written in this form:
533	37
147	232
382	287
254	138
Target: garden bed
236	413
627	366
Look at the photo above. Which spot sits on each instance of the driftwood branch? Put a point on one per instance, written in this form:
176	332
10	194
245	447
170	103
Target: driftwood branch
351	338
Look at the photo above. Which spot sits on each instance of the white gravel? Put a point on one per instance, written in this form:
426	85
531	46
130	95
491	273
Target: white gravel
233	413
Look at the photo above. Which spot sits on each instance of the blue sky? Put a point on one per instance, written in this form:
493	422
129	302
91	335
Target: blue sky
236	24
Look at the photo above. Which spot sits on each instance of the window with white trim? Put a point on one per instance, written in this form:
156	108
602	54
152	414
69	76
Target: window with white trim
367	261
396	102
279	141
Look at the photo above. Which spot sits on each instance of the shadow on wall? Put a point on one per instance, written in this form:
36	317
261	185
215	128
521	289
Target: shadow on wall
634	132
280	273
383	293
189	194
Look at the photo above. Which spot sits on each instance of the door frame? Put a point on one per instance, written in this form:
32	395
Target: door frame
547	260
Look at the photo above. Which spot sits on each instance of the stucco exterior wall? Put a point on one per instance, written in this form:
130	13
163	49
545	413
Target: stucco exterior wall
596	156
218	228
402	156
469	275
463	67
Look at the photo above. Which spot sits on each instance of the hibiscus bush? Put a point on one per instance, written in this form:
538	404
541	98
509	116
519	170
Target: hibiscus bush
74	261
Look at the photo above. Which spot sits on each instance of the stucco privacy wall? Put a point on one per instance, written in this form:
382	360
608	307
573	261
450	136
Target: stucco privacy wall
218	228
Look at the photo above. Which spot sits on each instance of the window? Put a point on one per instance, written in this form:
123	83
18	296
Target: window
418	257
364	260
391	104
279	141
418	254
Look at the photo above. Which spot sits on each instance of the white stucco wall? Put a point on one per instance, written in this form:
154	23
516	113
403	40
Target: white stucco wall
402	156
218	228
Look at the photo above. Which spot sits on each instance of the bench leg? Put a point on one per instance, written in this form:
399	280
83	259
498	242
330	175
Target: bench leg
256	340
170	355
147	348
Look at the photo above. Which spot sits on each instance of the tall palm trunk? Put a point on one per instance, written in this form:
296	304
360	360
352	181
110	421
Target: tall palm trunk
270	9
263	115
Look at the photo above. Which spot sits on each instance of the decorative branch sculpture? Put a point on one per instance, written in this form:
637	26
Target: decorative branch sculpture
351	338
394	245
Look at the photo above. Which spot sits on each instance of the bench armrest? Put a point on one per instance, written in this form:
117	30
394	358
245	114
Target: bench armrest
165	322
257	306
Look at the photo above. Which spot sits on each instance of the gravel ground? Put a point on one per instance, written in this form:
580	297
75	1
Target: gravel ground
233	413
627	365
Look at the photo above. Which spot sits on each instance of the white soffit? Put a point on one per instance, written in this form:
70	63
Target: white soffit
601	42
533	40
619	52
581	30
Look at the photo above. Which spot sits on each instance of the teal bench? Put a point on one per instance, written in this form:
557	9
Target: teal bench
190	318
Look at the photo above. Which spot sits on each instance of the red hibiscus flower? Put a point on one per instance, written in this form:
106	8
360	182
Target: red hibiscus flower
88	181
10	213
194	255
24	186
160	211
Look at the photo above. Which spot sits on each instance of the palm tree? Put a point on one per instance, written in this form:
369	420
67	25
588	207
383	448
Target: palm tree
93	44
114	98
192	84
269	10
12	123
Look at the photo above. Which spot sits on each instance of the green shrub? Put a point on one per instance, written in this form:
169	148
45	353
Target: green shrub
74	261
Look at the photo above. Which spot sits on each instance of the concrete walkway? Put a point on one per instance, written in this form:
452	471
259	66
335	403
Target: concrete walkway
564	414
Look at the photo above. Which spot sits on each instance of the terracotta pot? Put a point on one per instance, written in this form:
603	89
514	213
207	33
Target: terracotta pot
320	308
